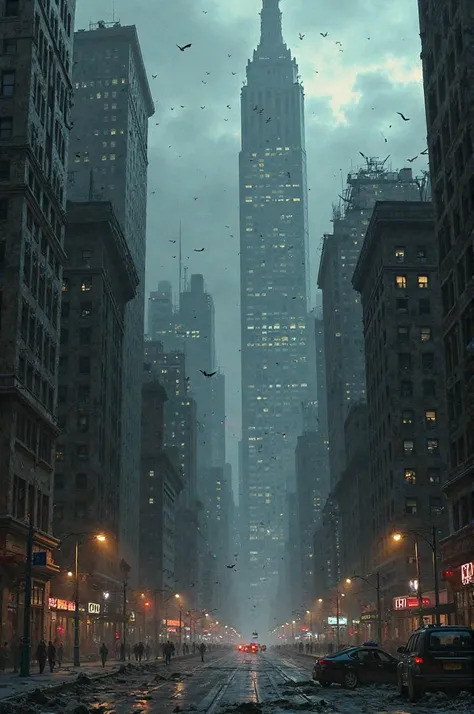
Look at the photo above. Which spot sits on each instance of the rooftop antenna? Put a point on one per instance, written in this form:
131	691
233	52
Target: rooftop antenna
113	11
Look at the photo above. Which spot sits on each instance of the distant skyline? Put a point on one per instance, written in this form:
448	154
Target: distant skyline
346	92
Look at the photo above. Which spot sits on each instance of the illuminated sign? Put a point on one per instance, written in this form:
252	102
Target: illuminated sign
93	608
409	603
333	621
368	616
57	604
467	573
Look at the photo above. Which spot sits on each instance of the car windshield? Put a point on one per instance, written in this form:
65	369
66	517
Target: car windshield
444	640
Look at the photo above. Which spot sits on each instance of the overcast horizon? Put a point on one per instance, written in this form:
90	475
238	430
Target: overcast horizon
356	79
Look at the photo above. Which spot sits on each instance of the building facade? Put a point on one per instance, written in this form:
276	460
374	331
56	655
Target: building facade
274	253
397	278
108	161
447	68
35	103
162	317
342	314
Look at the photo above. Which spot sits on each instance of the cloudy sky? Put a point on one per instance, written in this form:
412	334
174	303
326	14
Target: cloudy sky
352	97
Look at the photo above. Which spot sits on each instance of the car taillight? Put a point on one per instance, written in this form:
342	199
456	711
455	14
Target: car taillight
418	660
324	661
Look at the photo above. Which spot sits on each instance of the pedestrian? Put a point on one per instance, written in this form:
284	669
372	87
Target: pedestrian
168	652
129	651
147	651
202	650
3	656
41	655
51	655
135	652
140	650
103	654
163	650
59	654
122	652
194	648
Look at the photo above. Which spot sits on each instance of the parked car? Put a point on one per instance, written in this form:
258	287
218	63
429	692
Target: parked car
367	664
437	658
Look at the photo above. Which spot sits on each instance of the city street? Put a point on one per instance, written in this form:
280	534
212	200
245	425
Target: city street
227	683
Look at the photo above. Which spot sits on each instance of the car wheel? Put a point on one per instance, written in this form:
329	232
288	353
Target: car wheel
323	683
414	692
400	687
350	680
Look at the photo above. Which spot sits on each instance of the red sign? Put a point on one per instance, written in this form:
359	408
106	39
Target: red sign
409	603
467	573
57	604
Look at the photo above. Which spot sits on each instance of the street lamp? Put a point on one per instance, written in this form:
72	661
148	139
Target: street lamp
101	539
379	607
397	537
308	612
178	597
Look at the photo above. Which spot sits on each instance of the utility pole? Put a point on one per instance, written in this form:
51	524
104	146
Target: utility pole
379	611
124	615
338	634
418	583
26	646
77	662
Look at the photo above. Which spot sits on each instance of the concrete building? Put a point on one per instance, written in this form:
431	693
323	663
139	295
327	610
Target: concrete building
446	38
274	297
218	420
342	314
162	318
321	377
108	161
397	278
35	100
160	486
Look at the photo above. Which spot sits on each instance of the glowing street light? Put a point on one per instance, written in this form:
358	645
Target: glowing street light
101	538
397	537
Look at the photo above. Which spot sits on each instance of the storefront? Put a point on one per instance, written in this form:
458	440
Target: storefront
461	583
406	613
368	627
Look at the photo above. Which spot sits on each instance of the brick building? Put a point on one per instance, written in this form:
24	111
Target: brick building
448	64
35	100
397	277
99	280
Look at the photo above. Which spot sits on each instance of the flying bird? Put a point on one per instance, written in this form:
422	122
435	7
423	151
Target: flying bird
234	73
172	241
208	374
154	76
199	250
410	161
403	117
268	120
231	566
301	36
323	34
338	43
423	153
184	47
195	198
229	107
203	107
363	155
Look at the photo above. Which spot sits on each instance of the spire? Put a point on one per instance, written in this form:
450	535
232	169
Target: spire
271	33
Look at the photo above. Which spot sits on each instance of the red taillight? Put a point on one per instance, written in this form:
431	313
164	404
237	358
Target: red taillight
324	661
418	660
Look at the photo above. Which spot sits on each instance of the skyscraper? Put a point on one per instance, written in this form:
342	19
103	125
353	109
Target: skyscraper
274	246
108	160
342	313
162	317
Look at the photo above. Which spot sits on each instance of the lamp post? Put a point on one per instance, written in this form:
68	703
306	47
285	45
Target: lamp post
433	543
26	645
101	539
379	605
178	597
308	612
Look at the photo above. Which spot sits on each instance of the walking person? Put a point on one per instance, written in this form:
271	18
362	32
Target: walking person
140	649
51	656
103	654
59	654
168	652
202	650
41	654
3	657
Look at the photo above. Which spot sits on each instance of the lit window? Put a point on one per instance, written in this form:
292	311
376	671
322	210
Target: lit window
423	281
115	81
408	447
401	281
103	157
400	254
112	157
425	334
151	501
113	132
65	285
410	476
86	285
99	95
430	417
434	476
432	446
151	473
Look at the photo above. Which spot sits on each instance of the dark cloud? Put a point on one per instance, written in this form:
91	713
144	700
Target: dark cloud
350	104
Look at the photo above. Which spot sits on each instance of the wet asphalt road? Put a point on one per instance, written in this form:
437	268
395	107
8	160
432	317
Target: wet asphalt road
235	683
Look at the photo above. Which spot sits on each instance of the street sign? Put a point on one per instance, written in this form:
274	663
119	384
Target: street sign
39	559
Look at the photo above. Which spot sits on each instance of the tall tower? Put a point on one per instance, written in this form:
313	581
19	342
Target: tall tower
108	161
274	249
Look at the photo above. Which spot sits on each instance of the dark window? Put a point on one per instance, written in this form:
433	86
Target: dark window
64	309
83	392
63	363
436	505
403	333
3	209
86	309
85	334
400	254
81	480
424	306
4	171
80	509
429	388
9	46
11	8
402	306
421	254
404	362
6	127
64	336
407	416
86	257
406	389
434	476
84	365
83	423
427	360
425	334
58	481
408	447
62	393
411	506
8	84
83	451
